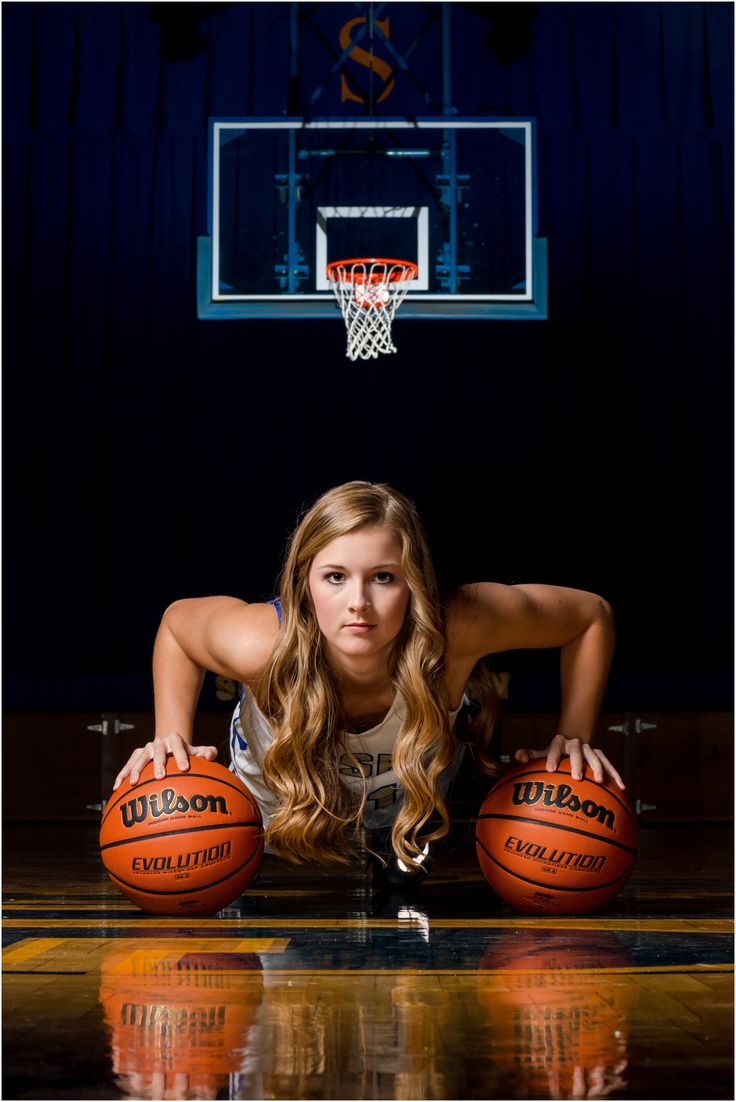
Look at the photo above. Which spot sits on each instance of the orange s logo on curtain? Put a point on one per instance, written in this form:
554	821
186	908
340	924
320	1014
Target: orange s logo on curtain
370	61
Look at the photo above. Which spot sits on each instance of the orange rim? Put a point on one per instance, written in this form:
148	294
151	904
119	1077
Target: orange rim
394	275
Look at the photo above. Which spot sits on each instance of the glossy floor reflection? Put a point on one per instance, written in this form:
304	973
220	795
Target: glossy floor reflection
311	987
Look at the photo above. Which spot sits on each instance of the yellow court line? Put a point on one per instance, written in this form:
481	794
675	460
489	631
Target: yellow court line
67	903
140	959
135	957
649	925
570	973
62	893
633	970
30	947
190	944
683	895
146	959
77	905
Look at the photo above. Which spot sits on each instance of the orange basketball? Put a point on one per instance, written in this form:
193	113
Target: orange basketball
189	843
549	844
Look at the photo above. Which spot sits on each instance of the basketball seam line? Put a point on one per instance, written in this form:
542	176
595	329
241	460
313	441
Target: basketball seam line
184	891
158	780
559	826
184	830
552	887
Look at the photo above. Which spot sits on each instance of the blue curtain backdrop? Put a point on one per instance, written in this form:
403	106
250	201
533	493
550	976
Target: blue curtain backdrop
149	455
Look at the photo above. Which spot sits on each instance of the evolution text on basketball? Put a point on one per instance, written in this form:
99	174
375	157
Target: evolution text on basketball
194	859
564	857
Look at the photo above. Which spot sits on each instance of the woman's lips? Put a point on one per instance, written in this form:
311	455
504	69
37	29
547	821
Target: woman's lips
360	629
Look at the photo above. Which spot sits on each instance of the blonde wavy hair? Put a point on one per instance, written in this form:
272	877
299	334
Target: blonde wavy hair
318	816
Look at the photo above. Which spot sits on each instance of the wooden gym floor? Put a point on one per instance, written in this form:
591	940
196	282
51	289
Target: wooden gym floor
311	987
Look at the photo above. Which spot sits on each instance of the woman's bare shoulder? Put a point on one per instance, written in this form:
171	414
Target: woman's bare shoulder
466	603
230	636
469	613
488	617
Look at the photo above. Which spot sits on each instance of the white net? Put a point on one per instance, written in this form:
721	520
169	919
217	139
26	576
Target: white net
369	293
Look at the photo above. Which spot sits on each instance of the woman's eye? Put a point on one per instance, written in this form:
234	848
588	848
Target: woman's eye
334	577
384	577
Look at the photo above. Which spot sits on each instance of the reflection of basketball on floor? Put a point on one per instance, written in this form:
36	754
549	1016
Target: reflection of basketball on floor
549	844
558	1006
189	843
178	1021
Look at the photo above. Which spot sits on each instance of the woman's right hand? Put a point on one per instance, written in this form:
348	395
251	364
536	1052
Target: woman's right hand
157	751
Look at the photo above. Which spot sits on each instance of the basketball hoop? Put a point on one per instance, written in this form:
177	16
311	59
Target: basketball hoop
369	292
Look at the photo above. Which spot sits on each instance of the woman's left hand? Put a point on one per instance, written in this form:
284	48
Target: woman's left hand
579	753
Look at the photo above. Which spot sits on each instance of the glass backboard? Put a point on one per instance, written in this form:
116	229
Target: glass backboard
457	197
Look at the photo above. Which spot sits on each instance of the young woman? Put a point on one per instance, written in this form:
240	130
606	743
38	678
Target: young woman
353	680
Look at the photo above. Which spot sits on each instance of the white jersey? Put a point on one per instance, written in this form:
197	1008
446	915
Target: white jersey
365	757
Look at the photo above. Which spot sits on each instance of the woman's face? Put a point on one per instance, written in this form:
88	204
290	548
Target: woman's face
359	593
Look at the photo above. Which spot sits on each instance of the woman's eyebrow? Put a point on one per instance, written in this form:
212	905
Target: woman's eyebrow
337	566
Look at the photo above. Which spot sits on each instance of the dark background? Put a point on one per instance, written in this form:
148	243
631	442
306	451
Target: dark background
150	455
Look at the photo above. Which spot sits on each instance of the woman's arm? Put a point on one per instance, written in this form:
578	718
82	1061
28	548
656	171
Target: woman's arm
220	634
486	618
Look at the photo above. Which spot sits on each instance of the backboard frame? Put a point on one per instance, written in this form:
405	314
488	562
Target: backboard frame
529	303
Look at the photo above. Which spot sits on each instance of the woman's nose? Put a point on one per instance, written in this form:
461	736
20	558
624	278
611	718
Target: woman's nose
358	597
